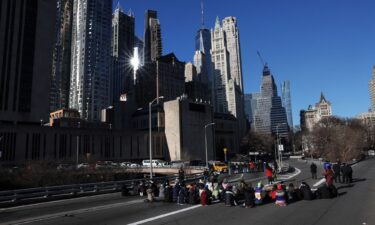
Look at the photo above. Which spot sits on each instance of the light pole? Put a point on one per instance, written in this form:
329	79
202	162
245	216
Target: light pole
205	139
150	127
278	143
79	123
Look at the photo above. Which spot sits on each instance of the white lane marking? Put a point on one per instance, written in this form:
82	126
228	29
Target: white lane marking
164	215
54	202
71	213
320	182
287	177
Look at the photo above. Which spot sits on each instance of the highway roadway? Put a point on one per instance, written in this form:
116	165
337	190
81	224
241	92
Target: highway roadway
355	205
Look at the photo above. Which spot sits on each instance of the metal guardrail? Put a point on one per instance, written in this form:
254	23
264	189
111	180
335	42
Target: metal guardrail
76	190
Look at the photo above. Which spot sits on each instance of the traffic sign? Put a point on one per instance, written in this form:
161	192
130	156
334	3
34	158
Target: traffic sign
281	147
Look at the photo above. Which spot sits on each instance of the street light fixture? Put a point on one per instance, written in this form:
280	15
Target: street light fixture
205	139
150	127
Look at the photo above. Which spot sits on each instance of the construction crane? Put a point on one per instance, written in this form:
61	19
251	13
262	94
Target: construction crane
261	59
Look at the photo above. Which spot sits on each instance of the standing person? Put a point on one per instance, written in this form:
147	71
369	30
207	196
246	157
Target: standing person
252	167
313	170
269	174
328	174
350	173
337	171
181	174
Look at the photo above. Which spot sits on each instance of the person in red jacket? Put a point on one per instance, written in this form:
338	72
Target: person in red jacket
328	174
269	174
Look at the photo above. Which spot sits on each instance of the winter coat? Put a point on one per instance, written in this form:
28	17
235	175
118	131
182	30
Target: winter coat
306	193
258	195
313	168
203	198
192	196
181	196
249	196
168	194
328	174
269	172
280	197
229	198
176	191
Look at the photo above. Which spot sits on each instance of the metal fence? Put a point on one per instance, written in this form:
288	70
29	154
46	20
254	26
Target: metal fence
76	190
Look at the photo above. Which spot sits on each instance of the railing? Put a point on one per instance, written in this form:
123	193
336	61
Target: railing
76	190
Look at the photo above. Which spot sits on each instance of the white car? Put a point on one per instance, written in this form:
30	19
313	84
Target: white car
83	166
371	152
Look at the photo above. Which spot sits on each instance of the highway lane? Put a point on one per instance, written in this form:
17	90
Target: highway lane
354	206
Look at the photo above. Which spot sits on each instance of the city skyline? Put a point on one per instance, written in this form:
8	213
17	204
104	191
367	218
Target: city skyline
307	43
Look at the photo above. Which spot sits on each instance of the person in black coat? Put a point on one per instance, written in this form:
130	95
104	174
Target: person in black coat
337	171
305	192
313	170
249	196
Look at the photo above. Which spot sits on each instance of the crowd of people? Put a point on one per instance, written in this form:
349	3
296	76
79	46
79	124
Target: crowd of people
339	172
209	190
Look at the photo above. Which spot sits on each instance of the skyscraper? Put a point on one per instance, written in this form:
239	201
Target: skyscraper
152	37
60	80
122	51
226	58
372	89
91	57
269	116
26	49
287	101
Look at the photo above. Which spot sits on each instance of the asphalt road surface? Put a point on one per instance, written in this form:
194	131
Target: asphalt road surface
354	206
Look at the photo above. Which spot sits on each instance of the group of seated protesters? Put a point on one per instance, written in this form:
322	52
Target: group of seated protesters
211	191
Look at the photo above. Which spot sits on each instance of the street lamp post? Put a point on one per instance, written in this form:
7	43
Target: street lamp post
150	130
205	139
79	123
278	144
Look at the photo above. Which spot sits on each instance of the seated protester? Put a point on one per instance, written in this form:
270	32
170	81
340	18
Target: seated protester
272	193
259	194
203	197
280	196
161	195
292	193
181	195
168	195
323	192
215	192
150	194
176	191
192	194
229	196
305	192
249	196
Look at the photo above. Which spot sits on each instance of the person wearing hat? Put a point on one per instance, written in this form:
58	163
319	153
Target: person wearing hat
280	196
258	194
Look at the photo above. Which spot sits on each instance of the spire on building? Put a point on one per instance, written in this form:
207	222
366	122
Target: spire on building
131	13
118	7
202	9
217	23
322	98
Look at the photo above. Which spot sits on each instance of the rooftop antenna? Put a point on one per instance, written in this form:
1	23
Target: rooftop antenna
261	59
202	9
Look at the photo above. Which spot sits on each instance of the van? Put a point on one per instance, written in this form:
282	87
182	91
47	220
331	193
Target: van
155	163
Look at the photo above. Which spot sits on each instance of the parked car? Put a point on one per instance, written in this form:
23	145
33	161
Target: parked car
179	163
125	164
62	167
83	166
155	162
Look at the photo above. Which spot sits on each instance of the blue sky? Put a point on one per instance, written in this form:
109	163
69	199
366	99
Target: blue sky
319	45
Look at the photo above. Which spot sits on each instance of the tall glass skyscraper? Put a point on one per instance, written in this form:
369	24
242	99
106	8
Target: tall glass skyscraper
287	101
91	57
203	44
269	115
372	90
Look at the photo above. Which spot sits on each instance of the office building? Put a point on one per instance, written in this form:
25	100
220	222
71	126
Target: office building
122	52
91	57
269	114
60	80
26	48
372	89
287	102
152	37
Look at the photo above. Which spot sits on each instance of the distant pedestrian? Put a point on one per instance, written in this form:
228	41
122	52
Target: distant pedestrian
337	171
181	174
313	170
328	174
269	174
